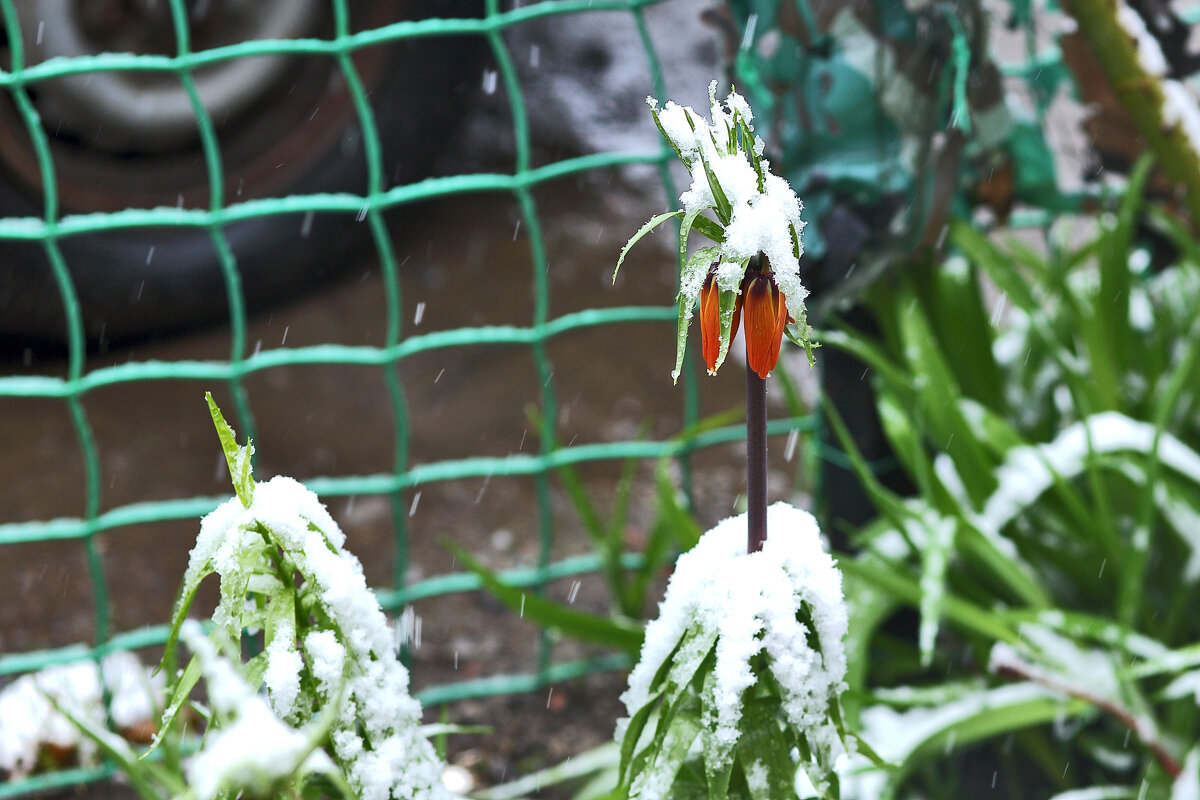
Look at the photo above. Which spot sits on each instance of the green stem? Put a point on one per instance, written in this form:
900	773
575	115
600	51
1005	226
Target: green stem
1140	93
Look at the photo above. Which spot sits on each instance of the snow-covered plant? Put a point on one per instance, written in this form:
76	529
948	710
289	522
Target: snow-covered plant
336	715
753	267
248	747
1051	546
736	691
48	714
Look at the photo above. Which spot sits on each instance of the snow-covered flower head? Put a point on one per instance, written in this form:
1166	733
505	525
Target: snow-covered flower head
756	213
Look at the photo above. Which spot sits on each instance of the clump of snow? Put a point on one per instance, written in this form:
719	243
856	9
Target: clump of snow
1186	684
1187	785
283	672
376	737
751	603
1179	108
1029	471
255	750
1060	658
1149	54
895	735
29	720
328	660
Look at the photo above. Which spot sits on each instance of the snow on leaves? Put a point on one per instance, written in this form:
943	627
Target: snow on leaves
746	660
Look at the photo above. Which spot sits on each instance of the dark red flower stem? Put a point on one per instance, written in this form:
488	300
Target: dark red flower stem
756	461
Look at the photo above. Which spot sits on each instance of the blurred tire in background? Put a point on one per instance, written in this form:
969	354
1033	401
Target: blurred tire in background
285	125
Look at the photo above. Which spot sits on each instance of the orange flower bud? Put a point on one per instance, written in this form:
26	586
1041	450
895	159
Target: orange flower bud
710	319
766	316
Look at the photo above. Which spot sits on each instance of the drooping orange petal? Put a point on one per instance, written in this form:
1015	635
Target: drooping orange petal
710	323
710	320
766	316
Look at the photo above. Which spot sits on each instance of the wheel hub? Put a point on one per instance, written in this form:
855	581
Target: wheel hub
146	111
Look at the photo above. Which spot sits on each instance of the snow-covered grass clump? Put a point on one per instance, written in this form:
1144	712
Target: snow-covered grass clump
255	550
31	722
742	668
336	699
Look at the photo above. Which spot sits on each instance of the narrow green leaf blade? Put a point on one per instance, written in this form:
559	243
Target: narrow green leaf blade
590	627
681	326
238	458
179	696
654	222
713	230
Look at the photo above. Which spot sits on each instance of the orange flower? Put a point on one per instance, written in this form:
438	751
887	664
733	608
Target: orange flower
766	316
710	319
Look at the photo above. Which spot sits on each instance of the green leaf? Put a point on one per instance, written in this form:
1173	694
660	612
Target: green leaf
938	393
935	556
904	439
876	358
671	750
761	742
695	268
180	691
584	507
713	230
144	778
698	262
868	752
716	777
954	303
670	141
598	763
727	301
748	144
895	581
679	681
681	326
885	501
649	226
685	532
723	208
998	711
685	229
238	458
613	544
869	609
1112	343
581	625
997	265
1015	574
186	596
633	731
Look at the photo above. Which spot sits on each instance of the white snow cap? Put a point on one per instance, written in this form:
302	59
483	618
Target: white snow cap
750	603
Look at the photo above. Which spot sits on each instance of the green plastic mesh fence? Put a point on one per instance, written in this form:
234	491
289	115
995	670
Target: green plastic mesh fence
79	378
787	71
